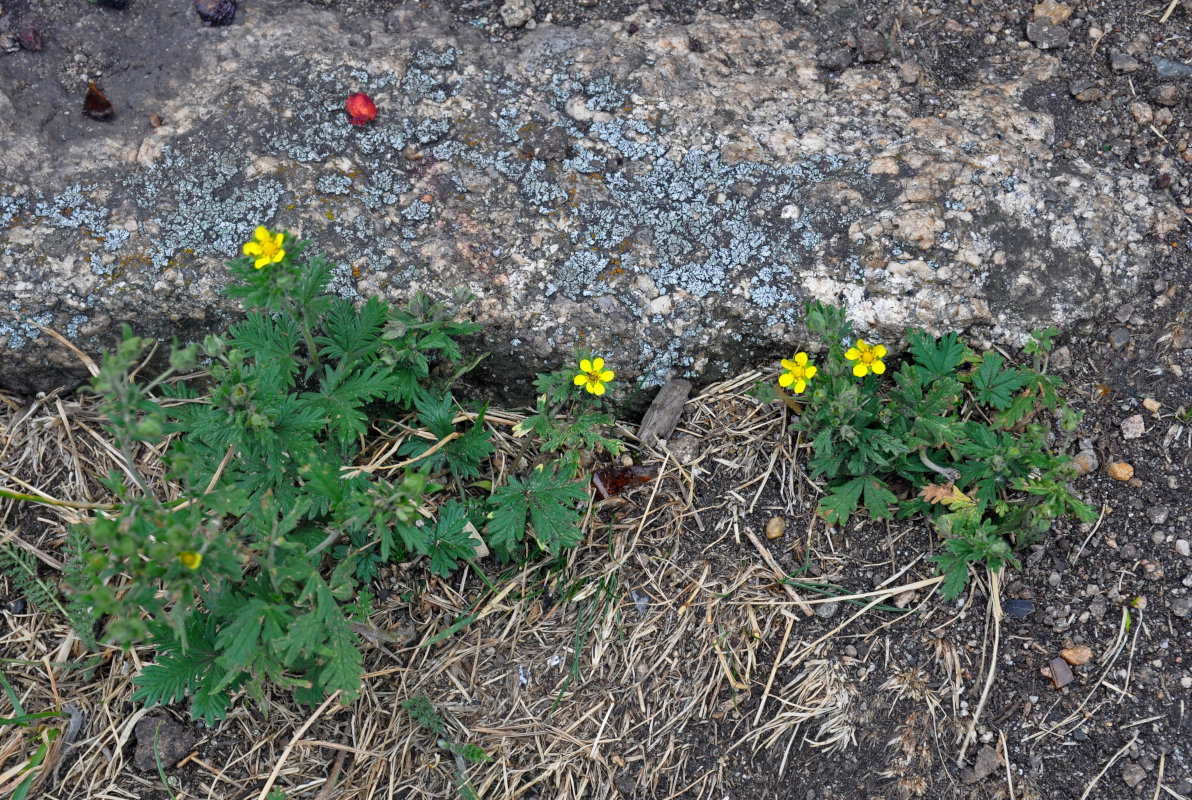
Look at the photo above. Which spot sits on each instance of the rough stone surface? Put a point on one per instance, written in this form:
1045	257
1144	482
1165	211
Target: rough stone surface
1045	35
574	177
515	13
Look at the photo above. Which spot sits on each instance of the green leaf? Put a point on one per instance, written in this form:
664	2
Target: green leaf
423	713
473	753
343	394
938	357
955	571
239	640
271	341
344	664
352	335
448	542
878	499
842	500
548	499
994	386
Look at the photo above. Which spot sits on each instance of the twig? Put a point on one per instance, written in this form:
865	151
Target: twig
1090	536
1109	764
297	735
1006	752
1163	21
773	671
1159	780
994	592
329	786
769	559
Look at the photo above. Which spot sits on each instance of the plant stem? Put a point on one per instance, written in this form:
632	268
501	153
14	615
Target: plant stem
299	316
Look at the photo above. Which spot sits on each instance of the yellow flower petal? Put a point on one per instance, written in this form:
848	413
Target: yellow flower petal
877	367
607	375
252	249
852	354
788	364
860	370
785	379
585	365
801	359
581	379
800	386
261	233
599	389
879	351
598	365
810	372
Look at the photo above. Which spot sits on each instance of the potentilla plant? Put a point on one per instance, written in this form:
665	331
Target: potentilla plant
567	419
252	576
962	437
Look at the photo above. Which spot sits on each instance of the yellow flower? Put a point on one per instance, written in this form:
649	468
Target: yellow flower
593	375
190	559
266	247
868	358
797	372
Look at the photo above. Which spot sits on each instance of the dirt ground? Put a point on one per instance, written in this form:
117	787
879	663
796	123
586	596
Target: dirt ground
664	659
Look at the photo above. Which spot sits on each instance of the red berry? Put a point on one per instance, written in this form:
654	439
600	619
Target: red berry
361	109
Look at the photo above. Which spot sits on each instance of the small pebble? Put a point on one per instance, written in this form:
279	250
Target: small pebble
1122	62
1157	514
1133	775
827	610
1120	471
515	13
775	527
1085	461
1078	655
1182	606
1133	427
1151	405
1183	547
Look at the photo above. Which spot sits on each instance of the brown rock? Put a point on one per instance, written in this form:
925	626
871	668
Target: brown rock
1053	12
987	763
1077	655
1085	461
1120	471
775	527
1061	673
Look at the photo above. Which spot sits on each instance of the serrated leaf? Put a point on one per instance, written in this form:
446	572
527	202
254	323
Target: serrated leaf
994	386
474	754
937	357
545	502
351	335
949	495
449	542
877	499
238	640
841	501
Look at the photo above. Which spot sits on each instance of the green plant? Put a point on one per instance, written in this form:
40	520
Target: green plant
424	715
251	576
46	737
548	501
965	437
